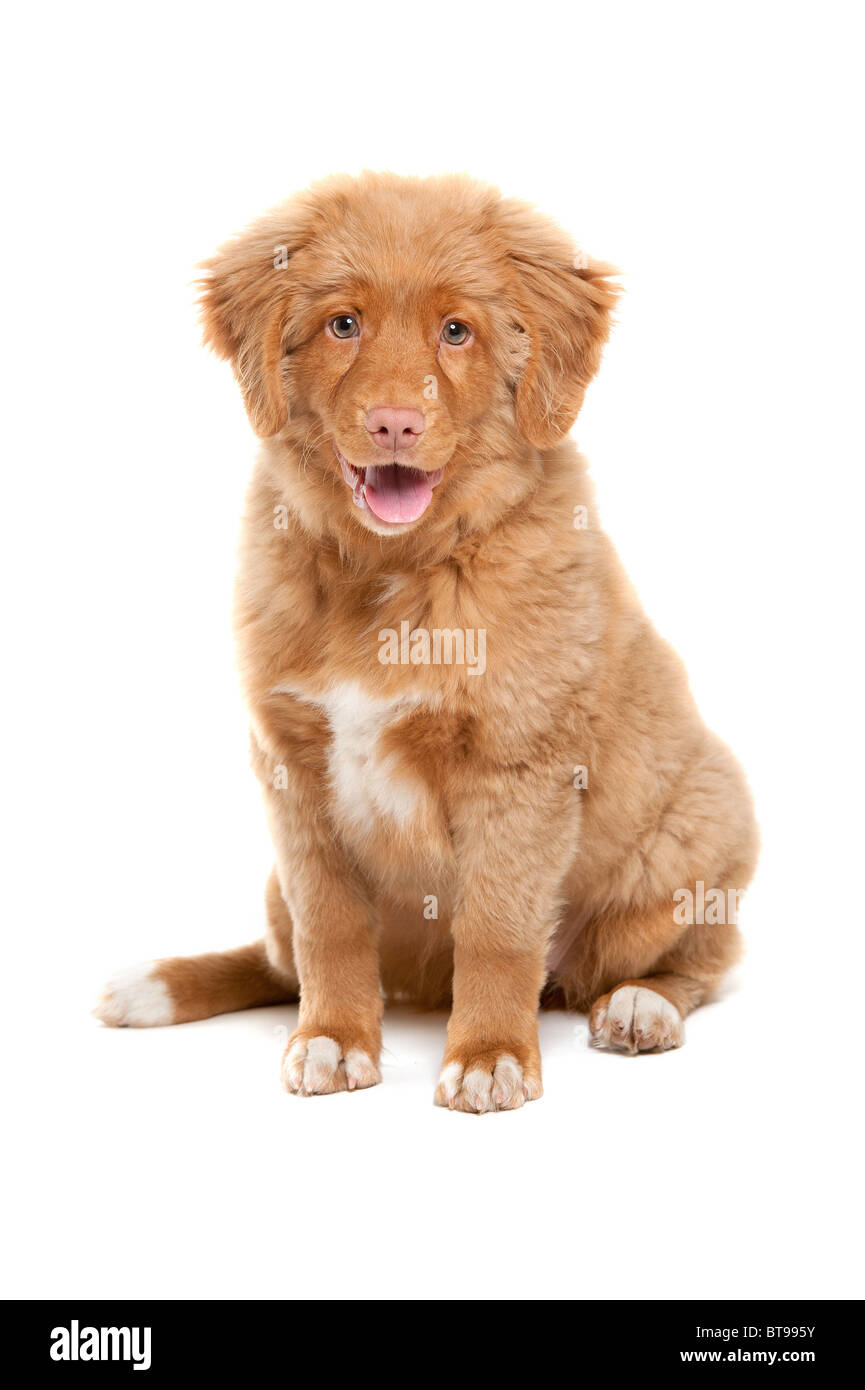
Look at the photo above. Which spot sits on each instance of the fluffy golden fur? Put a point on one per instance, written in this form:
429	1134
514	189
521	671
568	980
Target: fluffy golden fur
493	837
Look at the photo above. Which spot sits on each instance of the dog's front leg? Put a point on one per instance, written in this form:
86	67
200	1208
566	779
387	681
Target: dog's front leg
515	840
329	931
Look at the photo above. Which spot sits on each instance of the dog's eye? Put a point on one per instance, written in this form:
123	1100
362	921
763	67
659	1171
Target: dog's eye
344	326
455	332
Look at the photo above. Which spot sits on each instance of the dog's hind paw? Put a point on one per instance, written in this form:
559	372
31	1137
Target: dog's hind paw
635	1019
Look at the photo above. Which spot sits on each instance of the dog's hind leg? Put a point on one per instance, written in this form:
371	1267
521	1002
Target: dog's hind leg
182	989
639	976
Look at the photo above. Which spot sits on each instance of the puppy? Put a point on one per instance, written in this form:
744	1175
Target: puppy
484	774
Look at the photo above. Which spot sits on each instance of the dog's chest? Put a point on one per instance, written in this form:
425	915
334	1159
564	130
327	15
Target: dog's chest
369	779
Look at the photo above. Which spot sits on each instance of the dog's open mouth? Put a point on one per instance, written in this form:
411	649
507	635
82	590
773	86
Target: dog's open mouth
392	491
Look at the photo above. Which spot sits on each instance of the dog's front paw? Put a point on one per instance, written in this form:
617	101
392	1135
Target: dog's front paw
318	1066
487	1081
635	1019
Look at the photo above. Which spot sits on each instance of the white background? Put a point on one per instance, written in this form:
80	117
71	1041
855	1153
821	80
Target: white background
710	151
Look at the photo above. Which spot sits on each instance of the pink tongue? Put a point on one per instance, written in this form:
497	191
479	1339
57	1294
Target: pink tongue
395	493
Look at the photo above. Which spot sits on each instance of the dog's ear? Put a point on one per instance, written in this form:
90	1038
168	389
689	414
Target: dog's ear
563	302
245	295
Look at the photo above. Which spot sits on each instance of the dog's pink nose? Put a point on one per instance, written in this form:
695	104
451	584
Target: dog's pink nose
395	426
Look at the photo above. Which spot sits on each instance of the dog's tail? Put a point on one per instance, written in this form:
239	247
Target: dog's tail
185	988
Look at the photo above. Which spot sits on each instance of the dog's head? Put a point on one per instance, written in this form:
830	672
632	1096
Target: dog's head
415	340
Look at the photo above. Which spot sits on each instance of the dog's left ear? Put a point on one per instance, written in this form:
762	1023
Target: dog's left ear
245	299
563	302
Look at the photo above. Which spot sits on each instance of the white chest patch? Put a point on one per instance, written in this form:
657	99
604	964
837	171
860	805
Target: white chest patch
367	783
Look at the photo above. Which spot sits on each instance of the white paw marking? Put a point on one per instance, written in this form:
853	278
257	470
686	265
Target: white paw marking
638	1020
479	1090
360	1069
316	1067
449	1082
136	998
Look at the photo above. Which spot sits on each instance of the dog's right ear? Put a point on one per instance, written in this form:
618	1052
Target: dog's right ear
245	292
